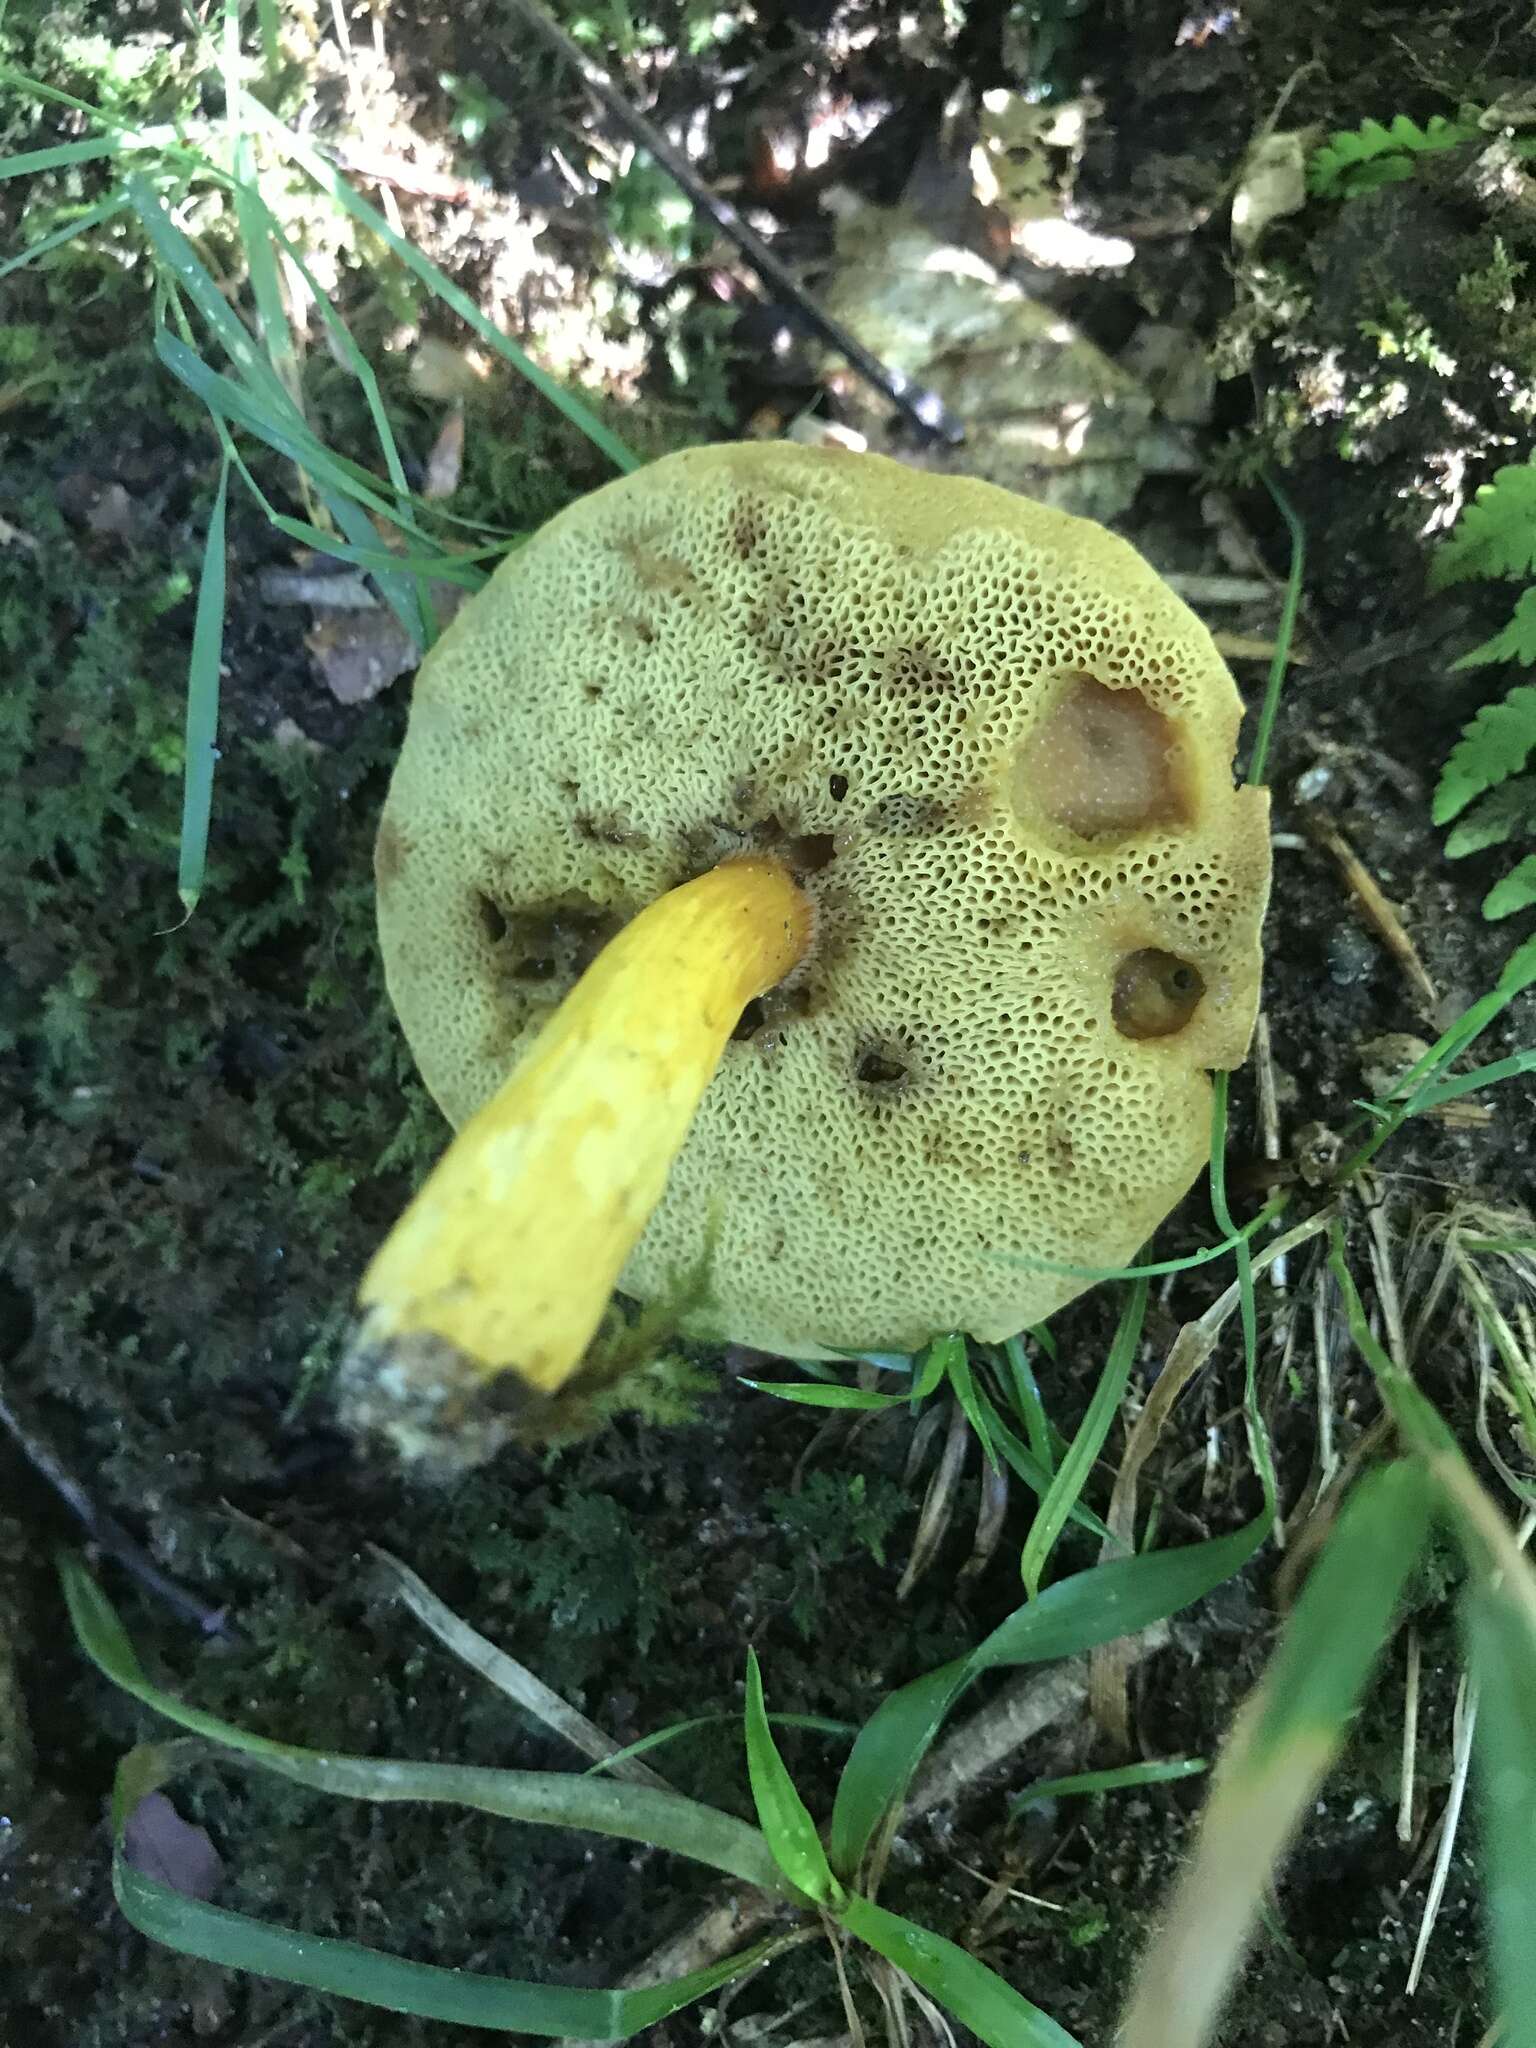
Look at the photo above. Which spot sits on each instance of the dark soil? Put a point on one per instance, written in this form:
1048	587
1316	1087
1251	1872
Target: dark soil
207	1128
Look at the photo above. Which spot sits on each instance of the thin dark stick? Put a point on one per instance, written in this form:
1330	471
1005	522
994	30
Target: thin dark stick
925	409
109	1535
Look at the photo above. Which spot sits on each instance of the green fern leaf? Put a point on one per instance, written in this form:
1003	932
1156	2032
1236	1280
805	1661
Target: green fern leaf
1516	642
1495	746
1496	534
1502	814
1517	891
1356	160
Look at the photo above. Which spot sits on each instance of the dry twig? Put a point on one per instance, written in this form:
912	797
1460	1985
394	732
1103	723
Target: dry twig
923	408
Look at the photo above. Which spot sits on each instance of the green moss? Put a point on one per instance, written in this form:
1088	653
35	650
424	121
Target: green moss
831	1519
588	1571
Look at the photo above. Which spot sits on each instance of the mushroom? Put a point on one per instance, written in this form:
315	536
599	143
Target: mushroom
819	867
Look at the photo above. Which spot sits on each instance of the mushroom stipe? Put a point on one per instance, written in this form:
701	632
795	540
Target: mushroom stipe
507	1258
882	1084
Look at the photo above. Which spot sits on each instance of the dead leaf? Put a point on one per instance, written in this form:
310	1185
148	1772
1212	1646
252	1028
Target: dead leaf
1271	184
1047	412
443	372
358	654
158	1843
104	507
447	458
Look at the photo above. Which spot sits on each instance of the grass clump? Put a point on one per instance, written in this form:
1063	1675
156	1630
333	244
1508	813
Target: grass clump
228	221
833	1878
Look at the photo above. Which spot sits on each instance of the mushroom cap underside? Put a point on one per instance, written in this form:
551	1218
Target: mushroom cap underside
996	749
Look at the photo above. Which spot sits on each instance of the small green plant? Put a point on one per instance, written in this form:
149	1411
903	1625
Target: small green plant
830	1519
587	1571
1487	792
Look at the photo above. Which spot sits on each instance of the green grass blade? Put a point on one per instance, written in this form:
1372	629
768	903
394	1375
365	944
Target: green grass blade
638	1813
975	1995
369	553
1253	1412
1286	1741
817	1394
183	264
255	221
1156	1269
1037	1478
346	1969
1076	1614
782	1814
1025	1393
886	1752
123	131
377	559
1421	1426
283	429
1082	1453
62	156
202	731
1123	1778
83	224
1502	1655
343	486
816	1724
1284	634
1116	1599
1518	974
269	22
352	355
330	181
1481	1077
258	233
935	1364
978	1412
404	594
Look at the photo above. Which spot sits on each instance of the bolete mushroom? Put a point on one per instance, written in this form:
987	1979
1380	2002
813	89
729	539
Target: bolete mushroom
820	863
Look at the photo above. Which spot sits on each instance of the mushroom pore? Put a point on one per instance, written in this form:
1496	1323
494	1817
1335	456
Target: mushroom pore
985	756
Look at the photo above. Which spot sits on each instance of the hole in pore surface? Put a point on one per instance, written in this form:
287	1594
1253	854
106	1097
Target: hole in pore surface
493	919
1102	763
1155	994
752	1019
550	942
877	1069
809	852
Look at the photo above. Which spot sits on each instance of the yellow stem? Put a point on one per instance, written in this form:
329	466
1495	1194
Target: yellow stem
512	1248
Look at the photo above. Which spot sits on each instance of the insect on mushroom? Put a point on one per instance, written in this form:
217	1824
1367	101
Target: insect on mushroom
832	865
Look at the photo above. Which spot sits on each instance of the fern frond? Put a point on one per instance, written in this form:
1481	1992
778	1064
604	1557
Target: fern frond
1495	746
1517	891
1496	533
1503	814
1355	160
1514	642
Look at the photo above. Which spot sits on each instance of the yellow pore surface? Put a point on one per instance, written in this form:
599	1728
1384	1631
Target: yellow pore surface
511	1251
997	752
